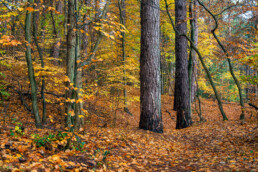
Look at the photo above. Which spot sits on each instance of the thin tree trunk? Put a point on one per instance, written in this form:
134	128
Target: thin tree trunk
242	116
190	65
57	44
71	41
194	57
121	5
199	102
85	37
30	68
35	26
151	118
79	120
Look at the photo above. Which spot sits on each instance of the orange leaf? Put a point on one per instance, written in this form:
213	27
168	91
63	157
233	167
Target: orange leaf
30	9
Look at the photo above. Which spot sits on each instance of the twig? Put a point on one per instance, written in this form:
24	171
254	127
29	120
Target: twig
170	115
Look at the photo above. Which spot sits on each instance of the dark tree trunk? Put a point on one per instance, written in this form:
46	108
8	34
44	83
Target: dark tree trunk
181	101
151	118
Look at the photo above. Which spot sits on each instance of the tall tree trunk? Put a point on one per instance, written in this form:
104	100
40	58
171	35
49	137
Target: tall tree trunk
190	64
181	101
79	120
30	68
151	118
35	30
194	55
70	61
121	5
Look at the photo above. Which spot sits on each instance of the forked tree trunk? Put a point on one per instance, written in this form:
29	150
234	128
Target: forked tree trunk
150	97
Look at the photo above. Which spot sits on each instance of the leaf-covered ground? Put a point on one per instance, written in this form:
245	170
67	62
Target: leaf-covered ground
215	145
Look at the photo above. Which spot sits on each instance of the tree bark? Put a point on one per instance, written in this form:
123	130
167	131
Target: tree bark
79	120
57	44
30	68
151	118
70	61
121	5
35	30
181	100
194	55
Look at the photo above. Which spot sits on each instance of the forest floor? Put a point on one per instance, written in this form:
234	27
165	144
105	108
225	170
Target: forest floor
214	145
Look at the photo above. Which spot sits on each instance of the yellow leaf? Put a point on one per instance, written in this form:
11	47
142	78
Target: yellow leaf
20	9
79	100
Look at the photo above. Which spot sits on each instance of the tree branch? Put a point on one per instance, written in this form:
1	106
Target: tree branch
202	61
100	36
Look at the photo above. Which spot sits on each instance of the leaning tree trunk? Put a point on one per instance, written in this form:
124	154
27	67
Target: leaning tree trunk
242	116
30	68
181	105
151	118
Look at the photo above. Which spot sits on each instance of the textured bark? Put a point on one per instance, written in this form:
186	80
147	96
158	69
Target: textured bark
181	100
30	68
151	118
70	61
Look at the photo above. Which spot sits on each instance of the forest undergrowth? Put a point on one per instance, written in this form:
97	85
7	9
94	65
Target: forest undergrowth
214	145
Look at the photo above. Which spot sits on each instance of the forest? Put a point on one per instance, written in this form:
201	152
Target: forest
128	85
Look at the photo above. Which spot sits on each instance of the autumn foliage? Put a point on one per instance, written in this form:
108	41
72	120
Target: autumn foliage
94	81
